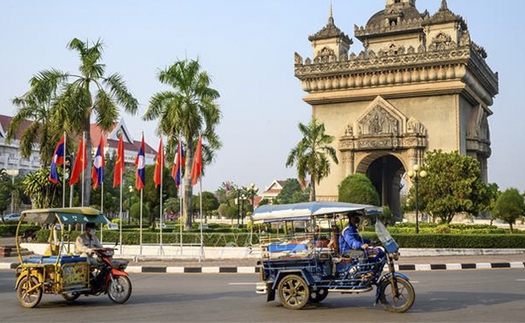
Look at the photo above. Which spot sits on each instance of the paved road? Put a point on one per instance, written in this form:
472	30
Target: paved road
441	296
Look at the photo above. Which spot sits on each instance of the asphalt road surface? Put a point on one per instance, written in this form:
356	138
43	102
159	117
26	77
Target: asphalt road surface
448	296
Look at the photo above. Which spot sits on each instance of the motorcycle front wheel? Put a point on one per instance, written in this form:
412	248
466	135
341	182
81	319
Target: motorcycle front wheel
401	302
119	289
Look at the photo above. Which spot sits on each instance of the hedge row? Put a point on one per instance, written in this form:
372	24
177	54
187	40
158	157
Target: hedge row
243	239
457	241
209	239
9	230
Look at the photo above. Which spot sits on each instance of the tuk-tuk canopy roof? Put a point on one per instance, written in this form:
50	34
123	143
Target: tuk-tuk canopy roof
308	210
70	215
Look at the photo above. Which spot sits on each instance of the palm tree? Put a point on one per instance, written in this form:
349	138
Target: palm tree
80	96
310	154
188	110
36	106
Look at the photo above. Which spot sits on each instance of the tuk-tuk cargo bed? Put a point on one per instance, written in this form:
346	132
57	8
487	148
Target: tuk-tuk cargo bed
51	260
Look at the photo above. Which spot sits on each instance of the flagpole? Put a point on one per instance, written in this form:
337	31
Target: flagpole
64	173
161	164
140	225
120	214
83	161
101	184
101	208
181	218
181	185
71	188
201	254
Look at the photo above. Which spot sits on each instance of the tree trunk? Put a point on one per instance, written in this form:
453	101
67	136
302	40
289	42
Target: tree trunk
87	171
312	190
187	208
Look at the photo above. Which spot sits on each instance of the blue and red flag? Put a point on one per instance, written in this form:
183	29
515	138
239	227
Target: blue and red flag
58	159
178	163
140	162
97	173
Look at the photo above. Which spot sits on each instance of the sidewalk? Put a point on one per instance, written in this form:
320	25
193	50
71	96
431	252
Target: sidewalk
410	260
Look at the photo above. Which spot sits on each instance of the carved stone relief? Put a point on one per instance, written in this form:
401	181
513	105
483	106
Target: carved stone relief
378	121
383	127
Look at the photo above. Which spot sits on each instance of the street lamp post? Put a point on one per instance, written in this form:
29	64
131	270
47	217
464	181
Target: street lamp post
415	174
130	188
13	173
238	207
252	191
243	198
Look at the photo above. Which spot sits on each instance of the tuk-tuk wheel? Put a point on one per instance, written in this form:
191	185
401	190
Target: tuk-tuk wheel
28	298
70	296
318	296
293	292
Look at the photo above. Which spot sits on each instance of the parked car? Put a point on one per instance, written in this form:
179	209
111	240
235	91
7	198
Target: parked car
12	217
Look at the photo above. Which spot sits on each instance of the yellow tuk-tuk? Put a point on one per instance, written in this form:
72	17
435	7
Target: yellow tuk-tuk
58	271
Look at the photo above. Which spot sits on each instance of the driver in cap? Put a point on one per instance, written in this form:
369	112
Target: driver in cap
88	241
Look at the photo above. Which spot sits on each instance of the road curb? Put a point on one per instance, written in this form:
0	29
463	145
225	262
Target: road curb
255	269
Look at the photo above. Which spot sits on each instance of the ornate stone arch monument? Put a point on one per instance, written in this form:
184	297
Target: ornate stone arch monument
420	84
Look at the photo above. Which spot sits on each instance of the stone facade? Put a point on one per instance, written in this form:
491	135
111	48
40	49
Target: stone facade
420	84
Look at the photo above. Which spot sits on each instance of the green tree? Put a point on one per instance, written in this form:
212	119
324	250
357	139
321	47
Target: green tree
209	203
135	211
509	207
151	194
80	97
188	110
311	155
5	190
292	192
225	192
36	106
453	185
223	209
42	192
358	188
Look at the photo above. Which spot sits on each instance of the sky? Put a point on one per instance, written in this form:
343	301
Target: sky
247	47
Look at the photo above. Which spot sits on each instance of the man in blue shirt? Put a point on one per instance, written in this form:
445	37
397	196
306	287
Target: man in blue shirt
350	239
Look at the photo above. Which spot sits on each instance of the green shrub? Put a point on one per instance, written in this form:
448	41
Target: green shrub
9	229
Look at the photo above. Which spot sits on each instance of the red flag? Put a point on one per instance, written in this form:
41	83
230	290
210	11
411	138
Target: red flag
140	163
97	173
80	163
159	165
196	168
119	163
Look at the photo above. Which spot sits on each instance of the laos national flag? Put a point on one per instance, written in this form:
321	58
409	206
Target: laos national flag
178	163
140	162
58	159
97	173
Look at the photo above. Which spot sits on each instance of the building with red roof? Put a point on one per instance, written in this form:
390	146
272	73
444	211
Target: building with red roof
11	159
